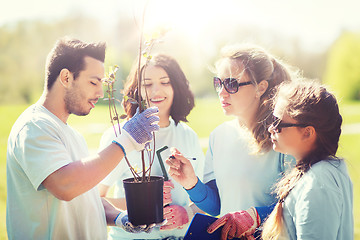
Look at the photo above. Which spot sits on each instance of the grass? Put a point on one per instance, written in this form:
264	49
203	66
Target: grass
8	115
203	119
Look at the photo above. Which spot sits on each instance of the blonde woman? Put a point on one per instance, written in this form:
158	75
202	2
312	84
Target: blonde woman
240	165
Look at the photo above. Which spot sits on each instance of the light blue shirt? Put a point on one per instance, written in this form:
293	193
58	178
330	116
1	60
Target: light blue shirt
39	144
321	204
244	179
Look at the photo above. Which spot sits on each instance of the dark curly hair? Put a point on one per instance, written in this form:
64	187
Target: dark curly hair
183	101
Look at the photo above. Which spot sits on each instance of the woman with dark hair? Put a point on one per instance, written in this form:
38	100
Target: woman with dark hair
165	86
182	101
316	197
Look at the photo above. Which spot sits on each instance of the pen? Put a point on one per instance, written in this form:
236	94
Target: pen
190	158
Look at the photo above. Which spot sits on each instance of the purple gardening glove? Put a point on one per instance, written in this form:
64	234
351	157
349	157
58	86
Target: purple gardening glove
137	131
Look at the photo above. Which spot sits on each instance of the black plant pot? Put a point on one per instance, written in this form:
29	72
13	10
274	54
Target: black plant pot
144	200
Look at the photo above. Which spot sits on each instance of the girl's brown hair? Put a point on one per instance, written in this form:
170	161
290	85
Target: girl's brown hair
183	101
307	102
259	65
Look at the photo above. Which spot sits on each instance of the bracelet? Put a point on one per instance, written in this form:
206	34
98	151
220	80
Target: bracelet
190	211
116	218
122	148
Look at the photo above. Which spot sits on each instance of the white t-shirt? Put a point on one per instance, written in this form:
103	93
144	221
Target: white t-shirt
39	144
321	204
243	179
181	137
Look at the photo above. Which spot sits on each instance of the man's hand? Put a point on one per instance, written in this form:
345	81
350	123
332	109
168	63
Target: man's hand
181	170
137	131
237	224
176	216
122	221
168	185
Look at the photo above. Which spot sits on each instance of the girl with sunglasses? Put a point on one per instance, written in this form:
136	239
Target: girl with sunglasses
315	198
240	165
166	86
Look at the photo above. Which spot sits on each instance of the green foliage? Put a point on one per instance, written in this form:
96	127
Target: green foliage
25	45
23	50
349	150
206	116
343	66
8	115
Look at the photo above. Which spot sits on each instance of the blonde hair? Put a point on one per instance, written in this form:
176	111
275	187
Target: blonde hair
274	223
259	65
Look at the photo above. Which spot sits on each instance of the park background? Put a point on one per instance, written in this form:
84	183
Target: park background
321	38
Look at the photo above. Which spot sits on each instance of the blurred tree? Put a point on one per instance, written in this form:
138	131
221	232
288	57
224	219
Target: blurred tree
25	45
343	66
23	49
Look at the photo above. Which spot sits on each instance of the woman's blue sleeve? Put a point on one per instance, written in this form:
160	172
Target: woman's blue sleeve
265	211
206	197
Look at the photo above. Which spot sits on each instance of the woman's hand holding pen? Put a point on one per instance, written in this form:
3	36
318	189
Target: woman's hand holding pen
181	169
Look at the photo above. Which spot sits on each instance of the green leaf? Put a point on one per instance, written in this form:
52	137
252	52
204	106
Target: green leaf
143	104
130	99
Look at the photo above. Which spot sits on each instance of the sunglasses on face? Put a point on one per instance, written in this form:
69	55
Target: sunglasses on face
277	125
231	85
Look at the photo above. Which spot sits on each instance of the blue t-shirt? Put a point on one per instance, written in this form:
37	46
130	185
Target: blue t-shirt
321	204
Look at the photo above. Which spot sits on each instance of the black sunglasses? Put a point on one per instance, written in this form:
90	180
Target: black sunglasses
277	125
231	85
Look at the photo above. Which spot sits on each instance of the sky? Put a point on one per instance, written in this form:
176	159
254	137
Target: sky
314	22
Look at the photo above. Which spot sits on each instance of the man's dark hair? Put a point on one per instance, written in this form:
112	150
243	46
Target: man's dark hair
69	53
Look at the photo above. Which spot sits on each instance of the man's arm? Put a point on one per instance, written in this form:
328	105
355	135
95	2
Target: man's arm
110	212
115	217
78	177
117	202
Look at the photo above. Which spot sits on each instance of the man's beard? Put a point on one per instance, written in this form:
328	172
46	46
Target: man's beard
73	101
